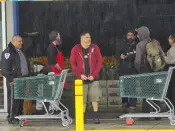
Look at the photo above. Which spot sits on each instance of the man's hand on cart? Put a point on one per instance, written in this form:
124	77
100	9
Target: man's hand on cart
83	77
123	56
58	66
11	84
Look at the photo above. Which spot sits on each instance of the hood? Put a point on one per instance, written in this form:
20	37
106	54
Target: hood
143	33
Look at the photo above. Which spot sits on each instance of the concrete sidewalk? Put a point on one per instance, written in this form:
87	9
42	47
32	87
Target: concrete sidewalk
55	125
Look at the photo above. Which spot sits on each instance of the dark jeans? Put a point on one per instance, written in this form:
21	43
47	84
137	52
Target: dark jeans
15	106
131	102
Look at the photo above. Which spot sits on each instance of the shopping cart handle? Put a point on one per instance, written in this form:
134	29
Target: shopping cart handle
69	71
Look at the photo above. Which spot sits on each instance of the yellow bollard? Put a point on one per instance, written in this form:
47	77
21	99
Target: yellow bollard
79	112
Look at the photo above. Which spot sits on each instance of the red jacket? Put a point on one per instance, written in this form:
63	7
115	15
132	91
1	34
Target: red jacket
77	60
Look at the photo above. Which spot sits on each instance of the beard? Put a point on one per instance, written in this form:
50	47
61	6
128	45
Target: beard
59	42
130	40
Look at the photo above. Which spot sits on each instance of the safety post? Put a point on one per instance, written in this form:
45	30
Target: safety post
79	112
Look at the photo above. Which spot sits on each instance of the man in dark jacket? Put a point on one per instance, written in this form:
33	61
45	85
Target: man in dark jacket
14	64
127	67
86	62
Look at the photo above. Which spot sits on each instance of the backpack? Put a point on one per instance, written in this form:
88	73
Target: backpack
154	56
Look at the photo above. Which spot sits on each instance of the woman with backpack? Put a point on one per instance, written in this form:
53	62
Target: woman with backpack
170	61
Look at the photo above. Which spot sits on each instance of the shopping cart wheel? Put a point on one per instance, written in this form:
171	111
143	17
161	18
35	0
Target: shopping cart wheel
21	123
129	121
25	121
65	123
172	122
70	120
51	112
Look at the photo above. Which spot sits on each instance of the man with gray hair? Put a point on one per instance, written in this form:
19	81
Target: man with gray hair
14	64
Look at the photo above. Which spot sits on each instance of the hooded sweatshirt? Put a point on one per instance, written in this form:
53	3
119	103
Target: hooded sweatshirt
140	61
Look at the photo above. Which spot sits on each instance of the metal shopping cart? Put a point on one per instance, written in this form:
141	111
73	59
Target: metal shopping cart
44	88
152	87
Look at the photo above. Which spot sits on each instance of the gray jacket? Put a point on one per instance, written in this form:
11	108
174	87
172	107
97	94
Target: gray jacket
141	63
170	58
140	60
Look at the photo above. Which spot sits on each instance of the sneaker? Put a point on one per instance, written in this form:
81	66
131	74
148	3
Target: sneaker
13	121
96	118
96	121
131	109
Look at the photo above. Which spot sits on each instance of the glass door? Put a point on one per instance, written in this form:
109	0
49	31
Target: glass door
3	89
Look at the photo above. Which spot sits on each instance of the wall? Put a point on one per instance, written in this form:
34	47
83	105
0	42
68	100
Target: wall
107	21
9	19
7	33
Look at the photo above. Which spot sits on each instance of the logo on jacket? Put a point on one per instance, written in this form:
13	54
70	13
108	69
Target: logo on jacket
86	56
7	55
92	49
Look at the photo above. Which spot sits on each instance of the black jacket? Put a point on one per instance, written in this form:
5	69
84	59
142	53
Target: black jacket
11	67
127	66
51	54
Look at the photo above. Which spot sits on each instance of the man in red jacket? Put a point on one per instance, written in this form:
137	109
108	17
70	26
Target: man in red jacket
86	62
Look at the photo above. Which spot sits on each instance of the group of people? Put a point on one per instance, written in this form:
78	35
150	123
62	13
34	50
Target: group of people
134	60
86	62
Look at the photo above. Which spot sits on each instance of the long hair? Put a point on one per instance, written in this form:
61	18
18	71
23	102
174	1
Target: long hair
172	37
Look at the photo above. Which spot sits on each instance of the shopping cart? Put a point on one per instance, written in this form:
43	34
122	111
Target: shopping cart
44	88
152	87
